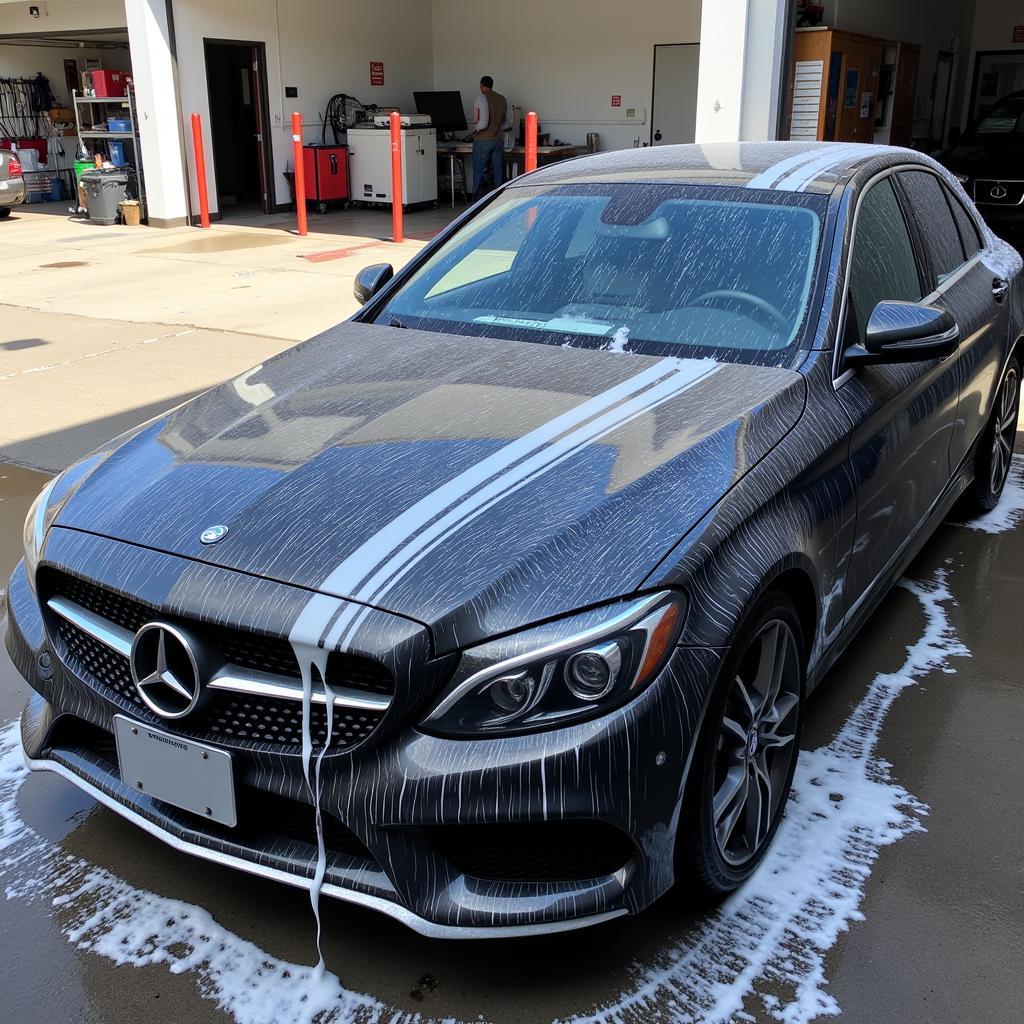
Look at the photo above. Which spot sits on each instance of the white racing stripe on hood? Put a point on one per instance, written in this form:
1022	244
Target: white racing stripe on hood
382	555
391	572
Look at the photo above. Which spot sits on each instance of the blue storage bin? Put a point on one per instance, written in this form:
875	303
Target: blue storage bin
117	153
119	124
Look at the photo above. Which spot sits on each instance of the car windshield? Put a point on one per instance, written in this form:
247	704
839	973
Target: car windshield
1004	119
659	269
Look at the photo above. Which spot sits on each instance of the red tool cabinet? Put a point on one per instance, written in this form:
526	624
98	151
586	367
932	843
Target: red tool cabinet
326	174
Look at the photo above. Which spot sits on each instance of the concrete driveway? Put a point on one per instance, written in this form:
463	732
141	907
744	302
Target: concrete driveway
895	891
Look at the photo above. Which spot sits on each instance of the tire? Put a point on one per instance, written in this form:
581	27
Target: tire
5	211
995	448
737	748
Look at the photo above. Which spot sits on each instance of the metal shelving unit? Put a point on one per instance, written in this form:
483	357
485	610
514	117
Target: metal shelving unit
89	106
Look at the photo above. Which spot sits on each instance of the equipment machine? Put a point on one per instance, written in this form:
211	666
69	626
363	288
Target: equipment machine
369	151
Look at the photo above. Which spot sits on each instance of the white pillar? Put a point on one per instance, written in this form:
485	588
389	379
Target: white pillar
156	99
742	43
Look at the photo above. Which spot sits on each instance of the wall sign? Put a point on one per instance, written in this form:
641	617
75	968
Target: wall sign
376	72
616	101
1018	33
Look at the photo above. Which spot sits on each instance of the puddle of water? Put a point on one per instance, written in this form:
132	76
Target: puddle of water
218	242
1010	510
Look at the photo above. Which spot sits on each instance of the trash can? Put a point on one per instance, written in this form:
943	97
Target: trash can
105	188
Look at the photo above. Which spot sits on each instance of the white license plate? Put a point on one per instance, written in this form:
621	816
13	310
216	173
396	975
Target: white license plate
181	772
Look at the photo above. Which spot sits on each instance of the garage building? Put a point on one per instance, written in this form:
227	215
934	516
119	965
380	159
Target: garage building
647	73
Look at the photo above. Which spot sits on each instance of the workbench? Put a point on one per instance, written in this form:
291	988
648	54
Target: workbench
515	157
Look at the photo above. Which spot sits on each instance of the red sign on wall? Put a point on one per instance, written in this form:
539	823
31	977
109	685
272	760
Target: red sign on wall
376	72
1018	33
616	101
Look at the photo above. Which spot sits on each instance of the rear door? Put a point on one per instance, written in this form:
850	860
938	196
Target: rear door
902	414
970	291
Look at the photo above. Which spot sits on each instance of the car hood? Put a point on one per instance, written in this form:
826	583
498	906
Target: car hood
987	156
472	484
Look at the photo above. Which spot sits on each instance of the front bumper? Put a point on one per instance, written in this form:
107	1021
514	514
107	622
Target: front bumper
400	803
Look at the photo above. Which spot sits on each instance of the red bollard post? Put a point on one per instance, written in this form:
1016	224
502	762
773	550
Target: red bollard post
197	146
397	190
299	163
530	163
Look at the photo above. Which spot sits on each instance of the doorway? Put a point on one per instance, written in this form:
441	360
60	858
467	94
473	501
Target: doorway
674	97
236	80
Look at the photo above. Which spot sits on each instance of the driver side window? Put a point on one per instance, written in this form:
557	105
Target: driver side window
884	265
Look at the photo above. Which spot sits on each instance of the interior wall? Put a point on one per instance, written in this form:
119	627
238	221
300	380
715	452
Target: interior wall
563	59
26	61
61	16
318	46
994	21
930	23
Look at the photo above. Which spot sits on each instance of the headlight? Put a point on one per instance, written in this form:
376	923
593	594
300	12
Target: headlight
533	680
35	530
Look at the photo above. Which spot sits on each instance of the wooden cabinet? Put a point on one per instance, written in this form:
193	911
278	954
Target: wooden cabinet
834	86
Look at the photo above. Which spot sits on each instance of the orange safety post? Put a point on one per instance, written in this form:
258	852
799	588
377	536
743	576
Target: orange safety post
299	163
530	163
397	191
197	146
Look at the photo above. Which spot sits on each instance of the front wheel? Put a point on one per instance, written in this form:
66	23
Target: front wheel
5	212
746	754
995	448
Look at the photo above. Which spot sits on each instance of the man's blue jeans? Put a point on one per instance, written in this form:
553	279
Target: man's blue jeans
487	153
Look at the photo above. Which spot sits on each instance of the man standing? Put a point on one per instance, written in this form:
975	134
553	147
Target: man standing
493	118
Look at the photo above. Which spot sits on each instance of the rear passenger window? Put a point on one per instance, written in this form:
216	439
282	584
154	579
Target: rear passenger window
935	221
968	229
883	263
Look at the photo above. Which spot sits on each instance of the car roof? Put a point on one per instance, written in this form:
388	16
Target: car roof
781	166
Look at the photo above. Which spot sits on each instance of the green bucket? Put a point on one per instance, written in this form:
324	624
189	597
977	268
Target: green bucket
82	165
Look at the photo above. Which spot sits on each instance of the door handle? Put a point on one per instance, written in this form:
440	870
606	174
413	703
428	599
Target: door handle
1000	288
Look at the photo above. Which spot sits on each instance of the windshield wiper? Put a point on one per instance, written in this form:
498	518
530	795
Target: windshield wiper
397	323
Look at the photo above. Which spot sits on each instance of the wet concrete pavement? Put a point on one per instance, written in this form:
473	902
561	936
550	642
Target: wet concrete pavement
943	909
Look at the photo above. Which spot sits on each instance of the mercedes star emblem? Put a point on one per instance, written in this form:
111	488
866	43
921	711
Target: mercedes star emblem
997	192
213	534
165	670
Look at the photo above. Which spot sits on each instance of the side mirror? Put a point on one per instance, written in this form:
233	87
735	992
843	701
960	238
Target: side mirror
905	332
370	280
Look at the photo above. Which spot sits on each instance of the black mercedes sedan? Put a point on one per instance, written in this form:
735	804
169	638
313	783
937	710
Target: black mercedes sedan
988	160
496	607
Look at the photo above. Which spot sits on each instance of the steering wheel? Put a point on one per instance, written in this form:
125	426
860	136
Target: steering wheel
773	313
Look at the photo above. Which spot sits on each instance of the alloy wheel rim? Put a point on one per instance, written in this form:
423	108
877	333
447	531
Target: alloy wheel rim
756	743
1005	431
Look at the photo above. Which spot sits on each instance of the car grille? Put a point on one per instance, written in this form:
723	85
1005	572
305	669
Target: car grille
243	719
990	192
551	851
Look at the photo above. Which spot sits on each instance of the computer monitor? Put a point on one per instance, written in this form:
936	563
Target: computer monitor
445	109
